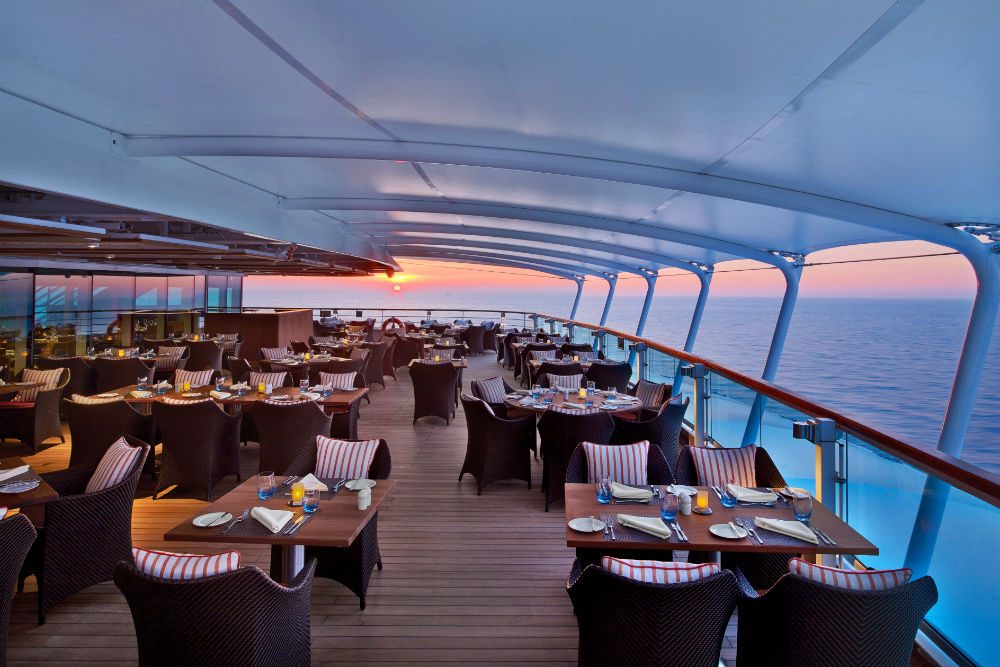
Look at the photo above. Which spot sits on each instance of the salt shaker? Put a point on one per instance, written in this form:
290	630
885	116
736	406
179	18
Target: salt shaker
268	389
364	499
684	504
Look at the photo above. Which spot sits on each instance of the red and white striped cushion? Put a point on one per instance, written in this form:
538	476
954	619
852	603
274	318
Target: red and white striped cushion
196	378
338	380
650	394
625	464
115	466
168	565
717	467
492	390
95	400
574	411
443	355
852	580
568	381
272	353
170	350
273	379
657	571
348	459
539	355
49	380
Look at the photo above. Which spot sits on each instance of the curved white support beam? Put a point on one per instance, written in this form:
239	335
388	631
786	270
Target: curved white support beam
612	279
567	271
699	311
576	300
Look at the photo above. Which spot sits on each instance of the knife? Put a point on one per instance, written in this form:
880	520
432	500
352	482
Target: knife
298	520
298	525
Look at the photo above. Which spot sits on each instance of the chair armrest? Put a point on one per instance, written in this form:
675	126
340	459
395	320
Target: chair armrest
747	591
70	481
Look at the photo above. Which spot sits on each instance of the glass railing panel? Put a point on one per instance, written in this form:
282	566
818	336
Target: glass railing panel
729	408
796	459
662	367
612	350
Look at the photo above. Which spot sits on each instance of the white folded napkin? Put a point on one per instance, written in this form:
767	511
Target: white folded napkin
791	528
140	394
311	482
678	489
748	495
273	520
646	524
572	406
13	472
630	492
312	396
220	394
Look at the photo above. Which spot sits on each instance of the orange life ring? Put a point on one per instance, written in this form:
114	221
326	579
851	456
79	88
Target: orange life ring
395	321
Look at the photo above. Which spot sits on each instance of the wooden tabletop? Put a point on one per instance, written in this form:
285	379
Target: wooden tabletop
296	363
40	495
336	524
557	399
581	501
537	363
457	363
15	387
336	399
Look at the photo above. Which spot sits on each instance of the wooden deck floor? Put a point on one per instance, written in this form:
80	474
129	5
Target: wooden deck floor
467	579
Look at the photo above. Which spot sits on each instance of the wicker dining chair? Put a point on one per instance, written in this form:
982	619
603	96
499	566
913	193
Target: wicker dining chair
241	618
84	534
474	337
299	347
663	430
351	566
657	469
434	387
34	422
803	622
205	354
376	358
615	374
284	429
200	445
163	368
239	369
560	433
338	366
497	448
523	369
490	338
117	373
82	379
500	409
575	348
625	623
16	537
541	376
93	427
407	349
388	359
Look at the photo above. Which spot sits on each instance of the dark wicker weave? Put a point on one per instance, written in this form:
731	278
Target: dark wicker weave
205	354
497	448
376	358
607	375
541	376
285	430
631	623
388	359
34	423
299	347
657	470
574	348
151	344
560	434
241	618
160	374
803	622
16	537
117	373
523	369
239	369
663	430
434	387
345	424
490	339
85	534
352	566
407	349
200	445
474	338
499	408
95	427
82	379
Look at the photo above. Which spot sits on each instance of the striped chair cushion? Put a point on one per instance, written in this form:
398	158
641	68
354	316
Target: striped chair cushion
196	378
272	353
273	379
49	380
359	353
585	355
167	565
467	397
625	464
852	580
348	459
658	572
575	411
171	351
338	380
3	512
443	355
717	467
569	381
185	401
491	390
228	336
95	400
131	351
650	394
114	467
539	355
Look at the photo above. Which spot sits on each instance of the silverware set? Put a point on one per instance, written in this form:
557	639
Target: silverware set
241	518
818	532
681	535
609	527
717	490
748	526
297	526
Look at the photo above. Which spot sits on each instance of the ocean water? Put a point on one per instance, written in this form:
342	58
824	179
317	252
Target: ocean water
888	362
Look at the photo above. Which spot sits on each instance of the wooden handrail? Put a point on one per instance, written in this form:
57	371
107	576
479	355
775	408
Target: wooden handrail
961	474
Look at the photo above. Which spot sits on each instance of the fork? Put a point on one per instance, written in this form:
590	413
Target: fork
288	481
241	517
749	528
680	532
607	527
611	527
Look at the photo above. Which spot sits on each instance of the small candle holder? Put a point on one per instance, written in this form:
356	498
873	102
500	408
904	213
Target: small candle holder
576	359
701	503
261	387
298	493
121	354
582	393
186	386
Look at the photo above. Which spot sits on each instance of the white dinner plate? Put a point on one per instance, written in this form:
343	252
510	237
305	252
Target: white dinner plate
212	519
725	531
19	487
358	484
586	525
108	395
191	394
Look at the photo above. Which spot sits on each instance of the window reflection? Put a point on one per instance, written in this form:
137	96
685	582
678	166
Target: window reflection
62	314
15	321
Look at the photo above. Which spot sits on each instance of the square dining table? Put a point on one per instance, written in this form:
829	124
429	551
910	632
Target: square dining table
40	495
337	523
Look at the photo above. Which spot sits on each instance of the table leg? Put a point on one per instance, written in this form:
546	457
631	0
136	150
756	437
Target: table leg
292	561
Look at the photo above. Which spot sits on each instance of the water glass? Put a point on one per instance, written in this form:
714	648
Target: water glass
303	386
668	506
265	484
591	386
326	391
536	390
161	389
140	383
728	497
612	392
220	384
604	490
310	501
802	506
91	351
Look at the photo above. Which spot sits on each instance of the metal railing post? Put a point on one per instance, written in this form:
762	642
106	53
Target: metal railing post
599	343
698	373
705	277
642	370
822	432
650	277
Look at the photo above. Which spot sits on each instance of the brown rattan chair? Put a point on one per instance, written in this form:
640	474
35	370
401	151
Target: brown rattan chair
490	339
523	369
299	347
407	349
474	337
117	373
560	433
663	430
434	387
627	623
500	409
200	445
35	422
376	357
82	379
803	622
610	374
352	566
205	354
574	348
283	430
85	534
151	344
657	469
389	358
541	376
16	537
241	618
239	369
497	448
93	427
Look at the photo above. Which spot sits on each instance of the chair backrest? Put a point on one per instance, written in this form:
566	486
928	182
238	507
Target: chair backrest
541	374
204	355
376	357
765	471
93	427
657	470
287	429
239	368
662	430
474	338
299	347
82	378
561	432
117	373
337	366
605	375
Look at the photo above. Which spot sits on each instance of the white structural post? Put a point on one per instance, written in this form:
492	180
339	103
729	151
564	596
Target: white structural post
612	279
705	276
822	432
777	345
576	301
650	277
698	372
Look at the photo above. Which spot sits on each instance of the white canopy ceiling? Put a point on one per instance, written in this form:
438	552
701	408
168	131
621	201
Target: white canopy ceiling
695	132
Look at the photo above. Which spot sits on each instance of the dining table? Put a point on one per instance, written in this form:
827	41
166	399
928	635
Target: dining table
519	400
337	523
337	402
39	495
17	387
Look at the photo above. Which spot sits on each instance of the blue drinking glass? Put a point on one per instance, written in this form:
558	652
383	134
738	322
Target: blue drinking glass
728	497
802	506
265	485
668	506
220	384
604	490
310	501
